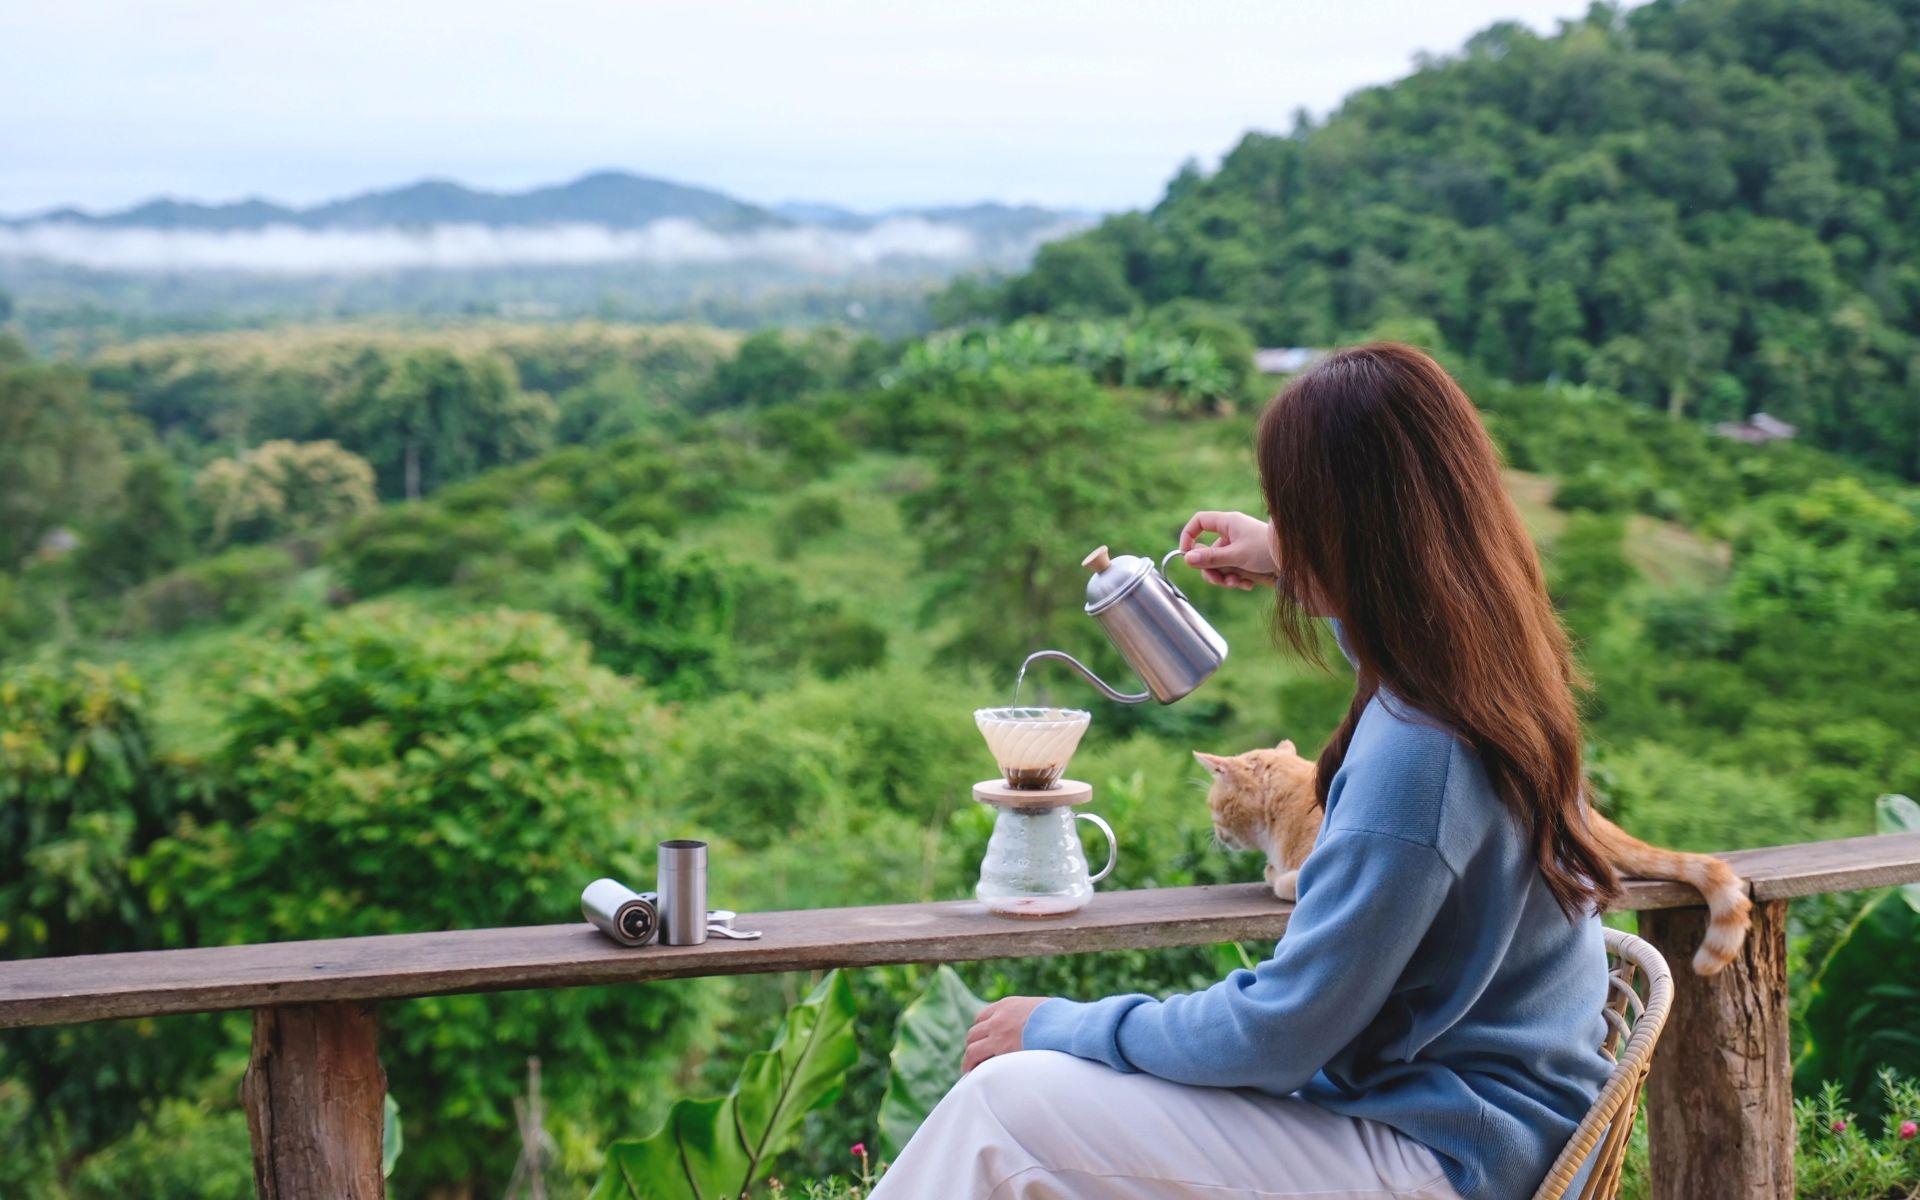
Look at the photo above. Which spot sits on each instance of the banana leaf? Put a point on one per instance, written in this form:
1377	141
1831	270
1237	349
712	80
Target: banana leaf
1863	1014
926	1056
1898	814
719	1147
392	1139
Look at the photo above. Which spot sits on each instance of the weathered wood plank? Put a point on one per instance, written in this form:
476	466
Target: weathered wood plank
96	987
315	1095
1843	865
153	983
1720	1097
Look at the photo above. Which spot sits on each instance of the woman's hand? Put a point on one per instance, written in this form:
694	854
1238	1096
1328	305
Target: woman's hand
996	1030
1240	557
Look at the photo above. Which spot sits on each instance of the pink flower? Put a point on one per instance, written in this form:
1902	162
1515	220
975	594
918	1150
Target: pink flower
1908	1130
859	1149
1839	1126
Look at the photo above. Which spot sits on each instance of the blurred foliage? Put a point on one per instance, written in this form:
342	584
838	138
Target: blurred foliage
239	389
1194	366
85	800
489	756
283	487
61	452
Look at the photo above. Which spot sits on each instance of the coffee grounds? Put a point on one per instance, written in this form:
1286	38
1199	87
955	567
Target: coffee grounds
1033	779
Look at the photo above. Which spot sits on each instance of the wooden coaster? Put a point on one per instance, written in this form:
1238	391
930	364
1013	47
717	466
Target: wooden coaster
1062	794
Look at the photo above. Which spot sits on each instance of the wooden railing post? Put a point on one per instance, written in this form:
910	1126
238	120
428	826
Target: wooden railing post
1720	1098
316	1103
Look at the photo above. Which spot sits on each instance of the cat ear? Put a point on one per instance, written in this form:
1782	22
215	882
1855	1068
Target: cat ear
1286	746
1212	762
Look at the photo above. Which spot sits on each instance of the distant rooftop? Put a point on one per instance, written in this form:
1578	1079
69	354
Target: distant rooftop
1757	430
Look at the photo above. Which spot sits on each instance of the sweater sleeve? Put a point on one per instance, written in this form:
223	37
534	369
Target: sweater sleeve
1366	900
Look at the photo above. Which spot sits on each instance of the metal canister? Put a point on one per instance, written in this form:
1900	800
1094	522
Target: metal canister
682	884
628	917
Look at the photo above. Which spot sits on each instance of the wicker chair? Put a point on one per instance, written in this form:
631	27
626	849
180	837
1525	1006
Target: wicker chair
1636	1020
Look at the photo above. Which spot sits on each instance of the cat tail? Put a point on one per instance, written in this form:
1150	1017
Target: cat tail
1725	892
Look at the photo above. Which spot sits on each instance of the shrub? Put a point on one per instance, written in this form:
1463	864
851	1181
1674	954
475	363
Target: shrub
226	587
1594	490
415	545
1838	1159
183	1152
811	516
839	644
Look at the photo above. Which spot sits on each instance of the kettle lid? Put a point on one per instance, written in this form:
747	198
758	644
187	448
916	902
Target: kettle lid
1113	577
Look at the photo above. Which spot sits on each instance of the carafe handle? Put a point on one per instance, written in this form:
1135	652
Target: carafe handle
1113	845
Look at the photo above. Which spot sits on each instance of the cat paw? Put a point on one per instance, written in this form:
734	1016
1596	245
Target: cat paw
1286	884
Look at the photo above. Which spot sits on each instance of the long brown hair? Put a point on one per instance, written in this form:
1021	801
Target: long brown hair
1388	510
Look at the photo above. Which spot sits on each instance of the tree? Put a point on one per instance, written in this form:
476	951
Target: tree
767	370
437	416
1074	278
1031	470
283	487
147	530
61	456
612	404
84	800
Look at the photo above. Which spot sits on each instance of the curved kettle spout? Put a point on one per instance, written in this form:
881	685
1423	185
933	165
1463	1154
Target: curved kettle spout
1106	689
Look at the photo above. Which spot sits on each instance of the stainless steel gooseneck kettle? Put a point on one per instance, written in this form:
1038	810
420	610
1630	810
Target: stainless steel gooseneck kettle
1156	629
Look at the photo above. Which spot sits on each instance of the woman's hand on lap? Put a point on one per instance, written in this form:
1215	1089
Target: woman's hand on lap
1240	556
997	1029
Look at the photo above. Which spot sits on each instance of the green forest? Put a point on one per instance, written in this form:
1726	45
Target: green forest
369	628
1708	206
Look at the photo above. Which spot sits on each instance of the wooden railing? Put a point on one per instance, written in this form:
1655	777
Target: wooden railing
1720	1110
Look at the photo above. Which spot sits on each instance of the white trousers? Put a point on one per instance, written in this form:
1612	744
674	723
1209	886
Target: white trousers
1040	1125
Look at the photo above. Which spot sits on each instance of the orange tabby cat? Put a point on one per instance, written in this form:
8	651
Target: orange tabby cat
1265	800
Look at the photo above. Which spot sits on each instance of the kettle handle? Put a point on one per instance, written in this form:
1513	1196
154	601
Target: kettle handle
1182	554
1113	845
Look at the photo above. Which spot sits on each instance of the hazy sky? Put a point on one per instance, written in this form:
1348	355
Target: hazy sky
868	103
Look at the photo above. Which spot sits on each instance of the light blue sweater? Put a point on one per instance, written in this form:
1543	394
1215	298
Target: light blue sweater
1427	979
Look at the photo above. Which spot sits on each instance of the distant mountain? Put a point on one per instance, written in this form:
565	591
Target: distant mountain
613	199
609	199
609	243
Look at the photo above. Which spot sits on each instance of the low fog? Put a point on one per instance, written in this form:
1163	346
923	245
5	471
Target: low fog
294	250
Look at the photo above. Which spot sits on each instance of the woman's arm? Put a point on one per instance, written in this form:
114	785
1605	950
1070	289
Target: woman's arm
1367	900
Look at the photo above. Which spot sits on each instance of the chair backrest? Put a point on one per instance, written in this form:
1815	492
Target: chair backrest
1639	995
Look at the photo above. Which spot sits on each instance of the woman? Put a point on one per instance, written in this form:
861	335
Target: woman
1430	1024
